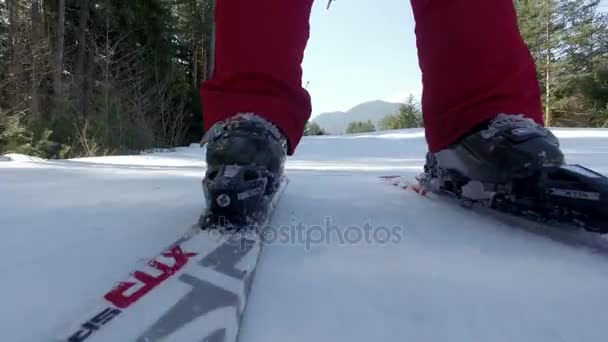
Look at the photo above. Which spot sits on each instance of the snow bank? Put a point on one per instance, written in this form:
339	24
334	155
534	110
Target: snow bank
568	133
159	159
406	133
20	158
414	133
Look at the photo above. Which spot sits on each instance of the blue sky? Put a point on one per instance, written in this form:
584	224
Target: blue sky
362	50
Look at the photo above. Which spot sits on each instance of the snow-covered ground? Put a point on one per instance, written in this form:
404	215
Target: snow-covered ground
70	229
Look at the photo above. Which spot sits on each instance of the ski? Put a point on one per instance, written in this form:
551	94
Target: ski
194	290
561	232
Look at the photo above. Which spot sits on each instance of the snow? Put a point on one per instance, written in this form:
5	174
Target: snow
565	133
71	229
19	157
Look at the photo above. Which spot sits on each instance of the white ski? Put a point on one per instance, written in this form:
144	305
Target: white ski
195	290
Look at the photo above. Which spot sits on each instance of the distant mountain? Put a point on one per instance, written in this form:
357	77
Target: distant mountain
337	122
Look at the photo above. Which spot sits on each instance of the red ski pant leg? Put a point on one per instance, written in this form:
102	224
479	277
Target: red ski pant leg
474	65
259	51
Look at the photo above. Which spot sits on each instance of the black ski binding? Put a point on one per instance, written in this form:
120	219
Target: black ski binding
569	194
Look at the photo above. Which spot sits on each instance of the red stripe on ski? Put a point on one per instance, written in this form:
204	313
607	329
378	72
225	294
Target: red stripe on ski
118	297
405	184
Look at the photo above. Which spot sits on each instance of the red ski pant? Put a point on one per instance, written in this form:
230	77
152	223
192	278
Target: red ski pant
474	65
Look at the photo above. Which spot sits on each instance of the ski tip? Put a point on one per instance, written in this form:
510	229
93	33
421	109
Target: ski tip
405	184
420	190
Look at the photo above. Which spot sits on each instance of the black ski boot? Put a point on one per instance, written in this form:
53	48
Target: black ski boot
515	165
508	147
245	165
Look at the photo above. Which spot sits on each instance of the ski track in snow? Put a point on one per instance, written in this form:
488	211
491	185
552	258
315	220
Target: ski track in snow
71	229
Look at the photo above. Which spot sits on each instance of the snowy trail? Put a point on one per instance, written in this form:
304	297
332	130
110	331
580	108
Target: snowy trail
70	229
449	279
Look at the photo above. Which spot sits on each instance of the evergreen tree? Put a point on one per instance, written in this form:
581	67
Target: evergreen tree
90	77
360	127
568	40
409	116
313	128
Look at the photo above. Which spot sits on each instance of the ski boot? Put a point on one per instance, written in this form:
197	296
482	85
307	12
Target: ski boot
245	165
514	165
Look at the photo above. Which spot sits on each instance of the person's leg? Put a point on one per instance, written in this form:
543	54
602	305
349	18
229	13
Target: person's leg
474	65
259	50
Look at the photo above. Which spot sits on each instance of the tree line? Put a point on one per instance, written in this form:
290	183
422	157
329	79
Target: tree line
569	42
93	77
408	116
